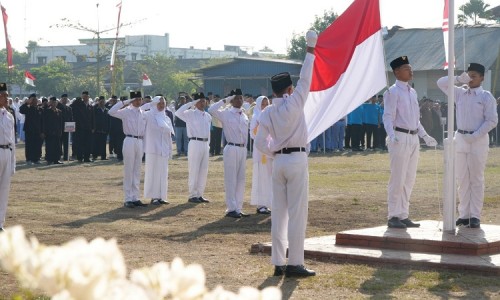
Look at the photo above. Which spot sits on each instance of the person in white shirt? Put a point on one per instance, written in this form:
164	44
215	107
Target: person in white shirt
7	152
235	127
476	115
402	123
198	131
284	121
262	188
158	149
134	125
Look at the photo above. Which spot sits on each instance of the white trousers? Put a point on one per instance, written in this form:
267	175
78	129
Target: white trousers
262	185
404	160
156	177
234	176
290	204
132	161
198	167
5	176
470	163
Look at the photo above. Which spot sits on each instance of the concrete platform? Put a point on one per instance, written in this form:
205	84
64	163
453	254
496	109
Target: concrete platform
467	249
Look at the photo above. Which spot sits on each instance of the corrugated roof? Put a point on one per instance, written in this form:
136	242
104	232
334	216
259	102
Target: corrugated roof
276	60
425	47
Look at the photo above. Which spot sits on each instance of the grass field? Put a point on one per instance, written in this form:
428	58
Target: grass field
59	203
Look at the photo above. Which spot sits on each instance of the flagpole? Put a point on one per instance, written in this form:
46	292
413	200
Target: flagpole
449	199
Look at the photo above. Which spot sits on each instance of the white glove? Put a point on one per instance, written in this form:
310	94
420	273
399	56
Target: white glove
430	141
463	78
229	98
126	102
392	139
311	38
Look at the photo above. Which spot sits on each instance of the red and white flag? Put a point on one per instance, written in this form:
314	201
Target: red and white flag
29	78
10	63
145	80
445	33
113	52
349	67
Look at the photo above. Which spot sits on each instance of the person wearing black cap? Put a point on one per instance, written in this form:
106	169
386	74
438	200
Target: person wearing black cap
67	114
235	126
134	126
101	126
198	130
116	135
52	127
32	129
402	123
284	121
83	115
7	152
476	115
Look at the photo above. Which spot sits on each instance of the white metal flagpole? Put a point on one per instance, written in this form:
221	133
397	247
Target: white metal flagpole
449	199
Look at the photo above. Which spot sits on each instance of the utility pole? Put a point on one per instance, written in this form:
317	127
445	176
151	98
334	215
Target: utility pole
98	58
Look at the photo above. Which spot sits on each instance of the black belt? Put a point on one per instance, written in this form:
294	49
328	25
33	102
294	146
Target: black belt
199	139
5	147
290	150
134	136
406	130
465	131
237	145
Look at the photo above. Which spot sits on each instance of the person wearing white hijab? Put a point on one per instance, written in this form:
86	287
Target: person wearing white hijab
158	149
198	130
262	188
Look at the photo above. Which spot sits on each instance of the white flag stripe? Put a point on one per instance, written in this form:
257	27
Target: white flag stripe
365	76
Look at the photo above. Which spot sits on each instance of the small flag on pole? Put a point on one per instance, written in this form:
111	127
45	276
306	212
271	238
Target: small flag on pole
29	78
445	33
10	63
145	80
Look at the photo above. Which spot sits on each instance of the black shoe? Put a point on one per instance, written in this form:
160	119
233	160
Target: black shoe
139	203
475	223
161	201
36	162
279	270
233	214
394	222
58	163
194	200
462	222
1	229
263	210
155	201
298	271
129	204
409	223
244	214
205	200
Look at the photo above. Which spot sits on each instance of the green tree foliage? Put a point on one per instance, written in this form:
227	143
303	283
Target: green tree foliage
474	10
297	49
54	78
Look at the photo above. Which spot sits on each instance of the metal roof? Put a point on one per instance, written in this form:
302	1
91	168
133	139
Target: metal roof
425	46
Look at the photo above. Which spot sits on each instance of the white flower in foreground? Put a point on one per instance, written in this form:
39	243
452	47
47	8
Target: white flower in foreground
122	289
245	293
156	279
186	282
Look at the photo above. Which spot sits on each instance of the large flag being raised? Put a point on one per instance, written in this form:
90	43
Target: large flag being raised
349	67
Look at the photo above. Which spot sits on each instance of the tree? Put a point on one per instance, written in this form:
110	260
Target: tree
474	10
298	45
54	78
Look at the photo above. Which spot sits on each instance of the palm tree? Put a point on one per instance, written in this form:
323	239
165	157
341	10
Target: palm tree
474	10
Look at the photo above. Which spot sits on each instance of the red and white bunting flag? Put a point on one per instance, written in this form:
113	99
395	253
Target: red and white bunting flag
445	33
113	52
29	78
145	80
349	67
8	46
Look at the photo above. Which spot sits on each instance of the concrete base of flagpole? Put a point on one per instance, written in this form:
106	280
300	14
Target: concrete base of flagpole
463	249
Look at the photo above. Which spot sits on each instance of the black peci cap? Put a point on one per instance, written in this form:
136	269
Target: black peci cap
398	62
476	67
281	81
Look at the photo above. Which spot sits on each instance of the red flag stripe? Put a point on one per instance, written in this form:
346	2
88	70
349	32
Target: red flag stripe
337	43
10	63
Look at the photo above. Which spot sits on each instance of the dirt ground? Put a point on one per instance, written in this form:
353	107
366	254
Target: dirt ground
347	191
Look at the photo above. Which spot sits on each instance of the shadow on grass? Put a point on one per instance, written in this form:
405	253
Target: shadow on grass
287	287
248	225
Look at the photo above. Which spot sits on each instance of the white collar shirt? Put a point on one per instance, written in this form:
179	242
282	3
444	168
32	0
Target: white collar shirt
7	123
401	109
158	134
133	119
234	122
197	122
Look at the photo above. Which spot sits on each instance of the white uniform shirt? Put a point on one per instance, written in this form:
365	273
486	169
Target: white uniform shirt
234	122
197	121
284	120
7	135
401	109
158	134
132	118
476	109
